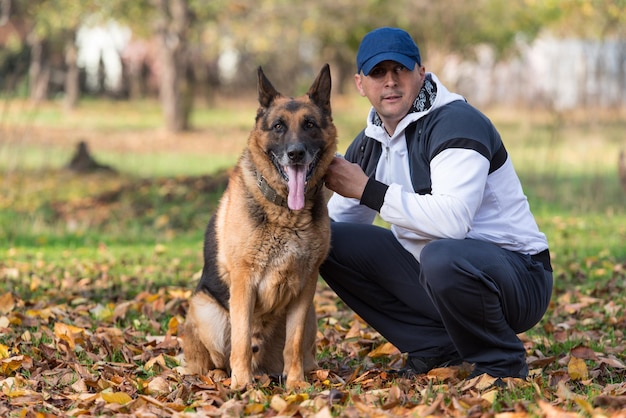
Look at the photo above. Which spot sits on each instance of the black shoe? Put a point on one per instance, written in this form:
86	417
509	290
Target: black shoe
420	365
522	374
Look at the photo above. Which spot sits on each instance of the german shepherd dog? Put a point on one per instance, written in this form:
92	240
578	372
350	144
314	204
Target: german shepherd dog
252	311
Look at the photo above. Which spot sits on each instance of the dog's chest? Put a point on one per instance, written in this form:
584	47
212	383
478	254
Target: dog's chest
283	264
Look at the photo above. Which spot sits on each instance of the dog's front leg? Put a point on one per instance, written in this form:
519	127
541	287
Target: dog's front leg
296	335
241	310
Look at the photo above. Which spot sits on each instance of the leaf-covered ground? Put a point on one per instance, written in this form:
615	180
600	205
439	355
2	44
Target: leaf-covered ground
98	334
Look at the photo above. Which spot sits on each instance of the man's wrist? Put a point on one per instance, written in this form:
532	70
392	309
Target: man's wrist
374	194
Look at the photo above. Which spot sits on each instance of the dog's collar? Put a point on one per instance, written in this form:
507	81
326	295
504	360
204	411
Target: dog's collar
271	195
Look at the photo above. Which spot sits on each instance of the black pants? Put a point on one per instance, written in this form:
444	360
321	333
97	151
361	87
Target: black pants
466	296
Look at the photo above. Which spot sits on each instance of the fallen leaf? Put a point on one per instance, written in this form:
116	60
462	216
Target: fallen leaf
565	393
550	411
490	395
278	404
615	402
585	353
121	398
612	362
383	350
69	333
158	385
4	351
443	373
577	369
254	408
7	303
11	364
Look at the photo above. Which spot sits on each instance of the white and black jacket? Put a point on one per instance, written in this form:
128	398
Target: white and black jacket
444	173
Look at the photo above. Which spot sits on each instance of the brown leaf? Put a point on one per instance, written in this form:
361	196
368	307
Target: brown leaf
550	411
7	303
383	350
443	373
158	360
613	362
565	393
583	352
613	402
158	385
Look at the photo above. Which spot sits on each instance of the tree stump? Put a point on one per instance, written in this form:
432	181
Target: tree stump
83	162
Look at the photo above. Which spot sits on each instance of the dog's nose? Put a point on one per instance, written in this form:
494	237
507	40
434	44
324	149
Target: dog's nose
296	153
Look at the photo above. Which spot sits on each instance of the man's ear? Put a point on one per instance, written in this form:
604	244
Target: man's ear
358	81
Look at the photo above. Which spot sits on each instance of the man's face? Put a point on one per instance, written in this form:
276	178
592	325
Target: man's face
391	88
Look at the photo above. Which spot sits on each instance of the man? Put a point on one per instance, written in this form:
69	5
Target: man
463	267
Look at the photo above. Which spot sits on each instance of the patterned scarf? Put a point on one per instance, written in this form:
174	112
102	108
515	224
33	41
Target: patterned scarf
423	101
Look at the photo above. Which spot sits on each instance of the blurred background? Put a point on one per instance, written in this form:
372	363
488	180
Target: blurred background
154	89
550	54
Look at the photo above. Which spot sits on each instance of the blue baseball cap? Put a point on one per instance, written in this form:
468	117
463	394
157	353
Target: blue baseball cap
384	44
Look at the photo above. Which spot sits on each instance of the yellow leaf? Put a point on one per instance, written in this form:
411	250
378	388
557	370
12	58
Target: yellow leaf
35	282
585	405
296	398
9	365
4	351
172	325
277	403
121	398
490	396
43	313
160	360
577	369
68	333
7	303
103	313
254	409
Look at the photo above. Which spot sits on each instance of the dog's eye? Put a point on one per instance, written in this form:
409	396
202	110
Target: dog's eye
309	124
278	127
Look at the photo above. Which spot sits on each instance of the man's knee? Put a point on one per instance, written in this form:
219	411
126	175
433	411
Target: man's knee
438	264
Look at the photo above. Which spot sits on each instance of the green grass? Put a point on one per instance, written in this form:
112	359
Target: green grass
568	167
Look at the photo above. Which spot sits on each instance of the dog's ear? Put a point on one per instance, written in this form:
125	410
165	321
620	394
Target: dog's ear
320	89
267	92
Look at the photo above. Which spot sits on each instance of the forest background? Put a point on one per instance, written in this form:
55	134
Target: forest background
97	260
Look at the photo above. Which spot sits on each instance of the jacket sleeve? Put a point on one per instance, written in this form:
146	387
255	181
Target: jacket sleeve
458	182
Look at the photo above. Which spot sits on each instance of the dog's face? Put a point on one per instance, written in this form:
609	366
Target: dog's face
296	136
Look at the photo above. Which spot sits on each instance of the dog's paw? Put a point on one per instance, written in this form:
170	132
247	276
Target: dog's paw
239	381
217	375
296	384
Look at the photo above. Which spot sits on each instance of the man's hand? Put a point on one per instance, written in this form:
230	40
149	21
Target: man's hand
346	178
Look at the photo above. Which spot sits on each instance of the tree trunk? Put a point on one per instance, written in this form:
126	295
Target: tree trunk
72	89
175	89
39	71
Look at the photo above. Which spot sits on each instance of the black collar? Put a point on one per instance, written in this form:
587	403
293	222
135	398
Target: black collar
271	195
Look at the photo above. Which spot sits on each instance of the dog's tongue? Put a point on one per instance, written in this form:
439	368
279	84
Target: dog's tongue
297	181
